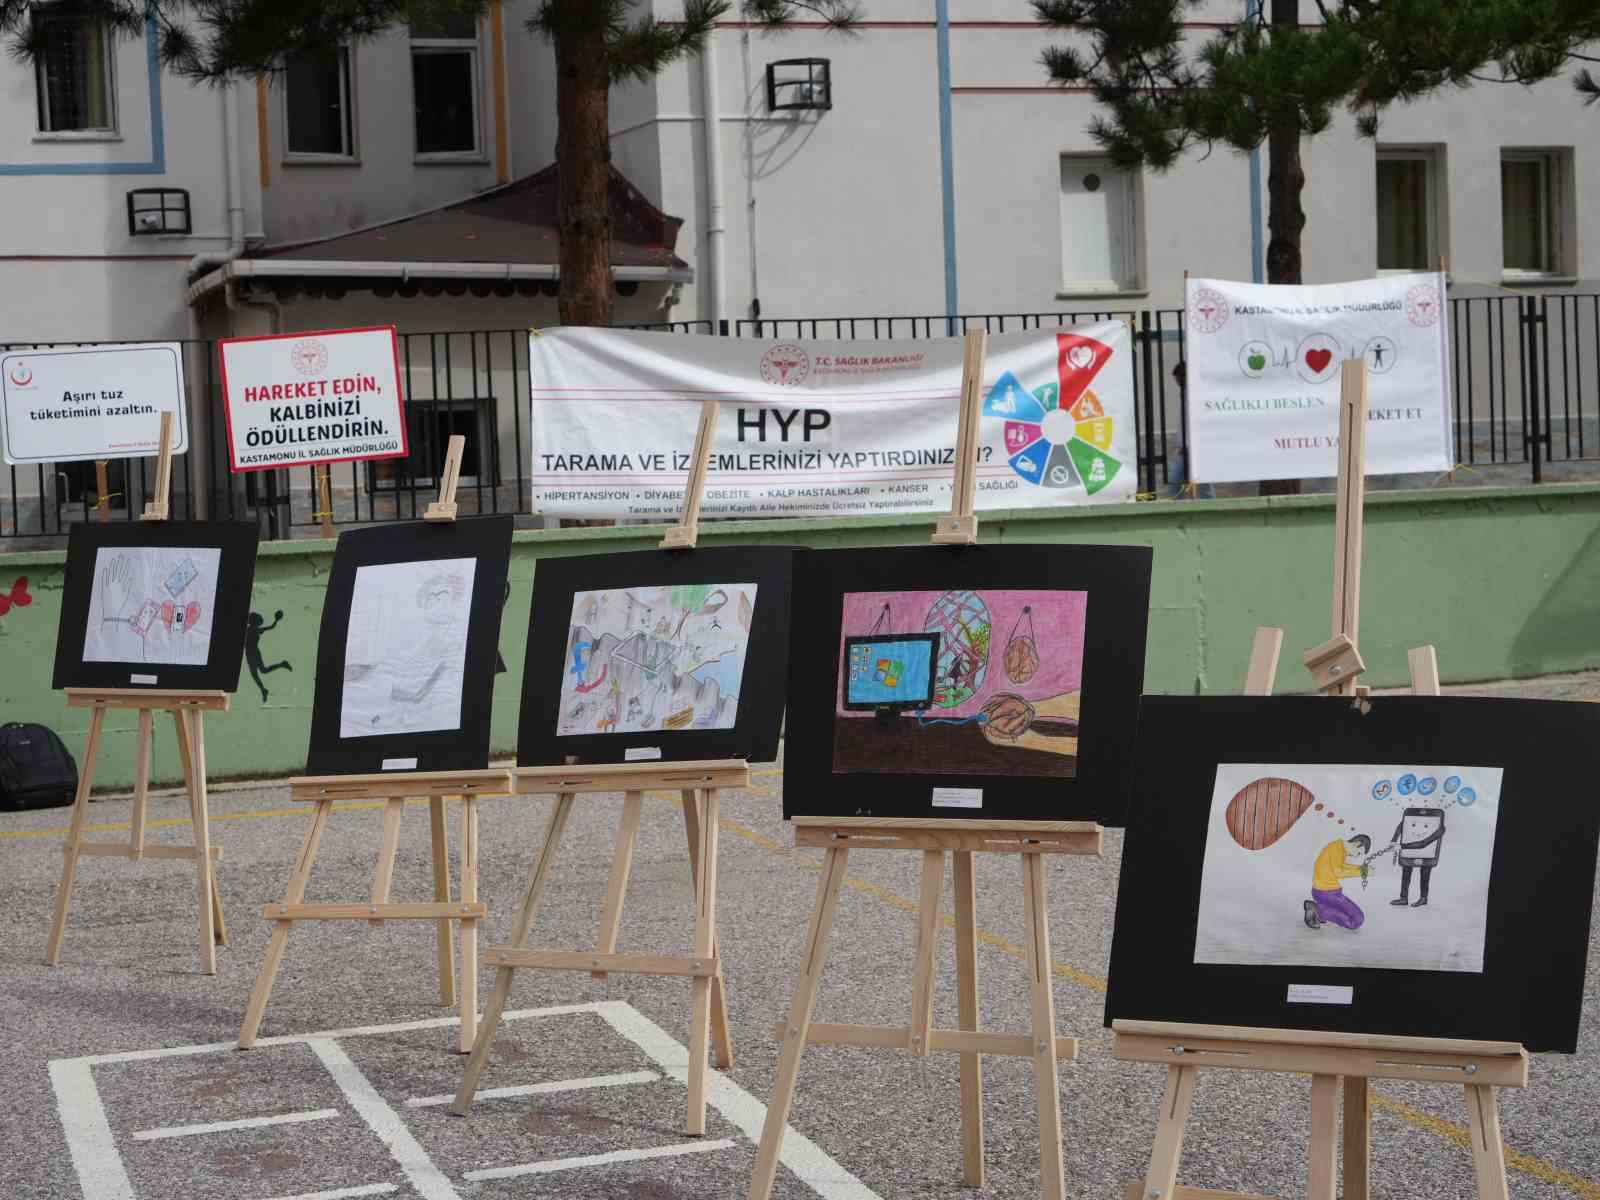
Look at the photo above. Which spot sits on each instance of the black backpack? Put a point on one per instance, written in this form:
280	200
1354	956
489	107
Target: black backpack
36	770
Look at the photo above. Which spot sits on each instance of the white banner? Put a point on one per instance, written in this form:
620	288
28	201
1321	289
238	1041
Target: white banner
826	428
1263	376
75	404
324	396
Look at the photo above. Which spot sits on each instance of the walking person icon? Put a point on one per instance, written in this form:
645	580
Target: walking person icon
254	628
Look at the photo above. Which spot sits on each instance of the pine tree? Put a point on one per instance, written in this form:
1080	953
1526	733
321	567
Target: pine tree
1277	81
597	43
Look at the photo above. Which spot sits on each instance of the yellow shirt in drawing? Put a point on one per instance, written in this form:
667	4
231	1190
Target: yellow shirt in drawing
1331	867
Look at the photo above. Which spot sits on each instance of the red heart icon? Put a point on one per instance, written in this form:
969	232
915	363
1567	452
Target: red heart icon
1318	360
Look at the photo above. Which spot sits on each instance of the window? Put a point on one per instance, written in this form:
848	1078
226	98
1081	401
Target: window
73	71
444	81
317	90
430	425
1408	210
1533	206
1099	250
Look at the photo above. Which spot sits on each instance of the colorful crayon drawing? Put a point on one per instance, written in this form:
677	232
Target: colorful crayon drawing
152	604
1333	865
980	682
655	658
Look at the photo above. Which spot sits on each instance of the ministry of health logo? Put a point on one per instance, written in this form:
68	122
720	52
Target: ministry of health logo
1208	311
310	357
785	365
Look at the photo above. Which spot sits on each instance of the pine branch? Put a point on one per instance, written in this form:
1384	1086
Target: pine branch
638	51
840	15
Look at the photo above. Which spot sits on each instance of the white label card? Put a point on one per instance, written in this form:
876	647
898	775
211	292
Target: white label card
148	680
399	764
957	797
640	753
1320	993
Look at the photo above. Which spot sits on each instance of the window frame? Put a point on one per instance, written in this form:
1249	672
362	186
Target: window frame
1133	264
1554	208
1432	158
110	132
473	48
346	55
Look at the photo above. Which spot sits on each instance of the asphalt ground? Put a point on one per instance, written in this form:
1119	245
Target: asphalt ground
884	1126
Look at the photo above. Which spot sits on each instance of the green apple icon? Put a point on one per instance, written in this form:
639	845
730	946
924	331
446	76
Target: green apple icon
1256	361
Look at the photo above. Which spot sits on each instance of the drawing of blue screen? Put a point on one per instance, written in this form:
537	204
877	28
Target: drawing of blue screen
890	672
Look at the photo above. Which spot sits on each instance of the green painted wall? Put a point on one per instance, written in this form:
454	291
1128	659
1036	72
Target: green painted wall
1506	582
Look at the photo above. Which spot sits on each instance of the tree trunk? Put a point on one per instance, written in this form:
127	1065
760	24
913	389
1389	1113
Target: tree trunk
583	152
1286	179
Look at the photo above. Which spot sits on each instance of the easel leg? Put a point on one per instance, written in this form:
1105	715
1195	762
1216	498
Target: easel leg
383	878
621	865
141	782
1161	1180
439	836
799	1023
192	725
519	941
721	1037
1357	1137
1488	1152
180	731
469	927
1320	1164
966	893
80	817
1046	1086
705	942
295	893
927	950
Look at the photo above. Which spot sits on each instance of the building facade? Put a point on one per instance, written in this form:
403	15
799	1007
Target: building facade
909	167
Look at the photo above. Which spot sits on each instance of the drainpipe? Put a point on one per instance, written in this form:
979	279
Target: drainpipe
947	170
715	304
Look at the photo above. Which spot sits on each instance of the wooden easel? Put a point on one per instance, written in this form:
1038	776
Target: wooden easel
188	709
1029	840
1329	1058
699	784
394	788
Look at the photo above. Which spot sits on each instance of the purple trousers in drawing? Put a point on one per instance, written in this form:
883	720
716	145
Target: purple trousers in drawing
1338	908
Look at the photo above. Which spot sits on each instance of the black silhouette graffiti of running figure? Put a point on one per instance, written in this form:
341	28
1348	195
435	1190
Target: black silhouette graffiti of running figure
254	628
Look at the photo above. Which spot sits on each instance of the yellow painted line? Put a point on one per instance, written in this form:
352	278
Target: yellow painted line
1588	1189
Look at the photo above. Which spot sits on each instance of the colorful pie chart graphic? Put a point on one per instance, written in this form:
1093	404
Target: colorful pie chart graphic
1049	445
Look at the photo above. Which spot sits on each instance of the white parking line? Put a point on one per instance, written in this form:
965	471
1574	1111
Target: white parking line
102	1174
596	1160
429	1181
541	1089
366	1189
292	1118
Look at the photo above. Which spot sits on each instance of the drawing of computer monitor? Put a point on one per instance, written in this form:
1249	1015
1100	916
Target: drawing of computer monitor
890	673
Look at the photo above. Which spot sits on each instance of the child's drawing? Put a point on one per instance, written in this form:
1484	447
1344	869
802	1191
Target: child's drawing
1276	828
152	604
406	650
655	658
983	682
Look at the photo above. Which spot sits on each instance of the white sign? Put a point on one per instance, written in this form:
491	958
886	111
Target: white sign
95	402
325	396
827	428
1262	372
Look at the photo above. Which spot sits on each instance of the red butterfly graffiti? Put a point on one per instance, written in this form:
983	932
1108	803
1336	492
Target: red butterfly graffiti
18	596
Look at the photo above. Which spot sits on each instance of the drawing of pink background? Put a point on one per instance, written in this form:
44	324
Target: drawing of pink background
1058	623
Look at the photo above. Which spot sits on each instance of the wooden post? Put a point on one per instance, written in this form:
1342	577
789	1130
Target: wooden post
683	535
960	528
102	488
157	508
324	499
444	508
1335	664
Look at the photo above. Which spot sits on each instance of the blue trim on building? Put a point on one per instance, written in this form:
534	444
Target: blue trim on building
158	134
947	166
